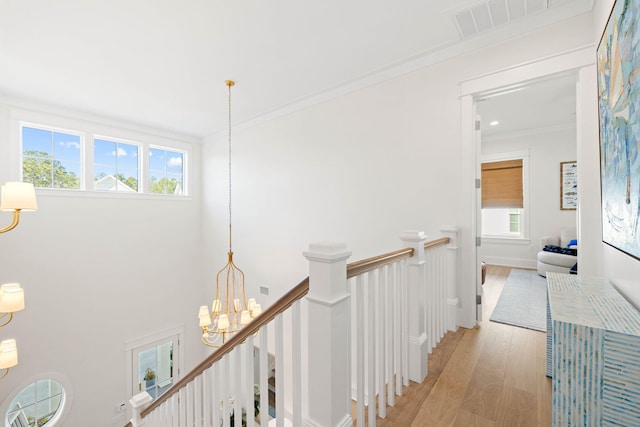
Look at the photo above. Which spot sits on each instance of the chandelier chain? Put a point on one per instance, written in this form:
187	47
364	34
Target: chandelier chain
229	84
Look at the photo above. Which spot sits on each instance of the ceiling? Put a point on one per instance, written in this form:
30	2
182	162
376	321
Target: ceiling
163	63
545	104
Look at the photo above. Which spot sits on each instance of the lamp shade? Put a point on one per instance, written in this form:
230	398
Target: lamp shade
8	354
204	311
11	298
18	195
223	322
245	318
257	310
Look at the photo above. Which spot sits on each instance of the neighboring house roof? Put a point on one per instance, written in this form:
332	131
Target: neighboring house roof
111	183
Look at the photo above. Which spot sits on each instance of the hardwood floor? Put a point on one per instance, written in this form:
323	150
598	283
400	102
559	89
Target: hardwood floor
491	375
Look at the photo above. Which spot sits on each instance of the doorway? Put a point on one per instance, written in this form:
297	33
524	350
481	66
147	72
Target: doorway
577	63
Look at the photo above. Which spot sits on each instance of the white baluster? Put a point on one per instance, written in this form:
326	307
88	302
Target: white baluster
405	320
399	330
390	315
279	354
236	367
382	338
360	350
264	376
225	376
198	398
216	397
249	382
371	349
296	351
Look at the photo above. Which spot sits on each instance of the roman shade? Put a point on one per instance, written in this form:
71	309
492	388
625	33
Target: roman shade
502	184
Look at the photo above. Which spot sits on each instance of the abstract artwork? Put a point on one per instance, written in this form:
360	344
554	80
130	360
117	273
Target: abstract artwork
618	59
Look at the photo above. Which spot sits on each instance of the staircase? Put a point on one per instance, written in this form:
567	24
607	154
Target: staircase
348	336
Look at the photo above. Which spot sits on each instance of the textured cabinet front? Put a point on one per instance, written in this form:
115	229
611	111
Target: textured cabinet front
594	353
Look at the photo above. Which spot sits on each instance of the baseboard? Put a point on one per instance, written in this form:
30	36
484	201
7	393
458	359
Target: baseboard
510	262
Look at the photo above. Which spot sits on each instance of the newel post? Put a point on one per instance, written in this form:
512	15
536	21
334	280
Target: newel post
416	283
329	379
138	403
451	232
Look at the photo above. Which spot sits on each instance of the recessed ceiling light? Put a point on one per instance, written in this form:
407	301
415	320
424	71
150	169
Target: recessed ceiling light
494	123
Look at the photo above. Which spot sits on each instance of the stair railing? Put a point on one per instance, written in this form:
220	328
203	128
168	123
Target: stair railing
369	327
402	303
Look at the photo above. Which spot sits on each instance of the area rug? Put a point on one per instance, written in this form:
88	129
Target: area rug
523	301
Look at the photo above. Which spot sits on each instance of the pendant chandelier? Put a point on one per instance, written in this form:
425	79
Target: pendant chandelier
230	310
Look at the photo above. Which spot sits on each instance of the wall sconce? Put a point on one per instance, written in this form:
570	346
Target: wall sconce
8	356
11	300
17	197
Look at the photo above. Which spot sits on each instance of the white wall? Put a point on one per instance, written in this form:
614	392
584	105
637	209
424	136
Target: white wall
546	148
623	270
97	273
359	169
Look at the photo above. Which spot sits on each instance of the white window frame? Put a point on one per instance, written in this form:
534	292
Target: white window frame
185	164
524	217
65	404
89	130
134	347
117	141
75	132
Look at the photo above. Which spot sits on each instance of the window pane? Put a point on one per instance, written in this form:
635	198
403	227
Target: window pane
26	397
156	160
66	147
127	156
66	174
166	173
496	222
36	404
104	153
37	142
129	179
50	159
115	166
174	163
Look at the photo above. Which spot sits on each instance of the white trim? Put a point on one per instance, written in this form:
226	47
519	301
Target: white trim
488	239
529	264
518	75
155	337
497	81
504	136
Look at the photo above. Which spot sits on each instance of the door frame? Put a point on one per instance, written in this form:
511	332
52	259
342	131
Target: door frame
471	90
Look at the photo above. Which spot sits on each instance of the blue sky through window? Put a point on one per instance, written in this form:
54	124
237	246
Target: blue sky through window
60	147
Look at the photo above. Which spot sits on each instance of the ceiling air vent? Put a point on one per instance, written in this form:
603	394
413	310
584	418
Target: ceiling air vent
490	14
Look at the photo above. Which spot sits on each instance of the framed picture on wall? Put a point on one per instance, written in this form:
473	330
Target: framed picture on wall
568	185
618	109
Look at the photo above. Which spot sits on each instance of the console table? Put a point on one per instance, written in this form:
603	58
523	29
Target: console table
593	353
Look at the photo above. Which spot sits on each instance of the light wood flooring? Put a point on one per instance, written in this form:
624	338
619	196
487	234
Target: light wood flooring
491	375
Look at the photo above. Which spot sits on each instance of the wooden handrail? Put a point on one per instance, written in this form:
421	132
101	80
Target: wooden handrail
363	266
359	267
437	242
269	314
